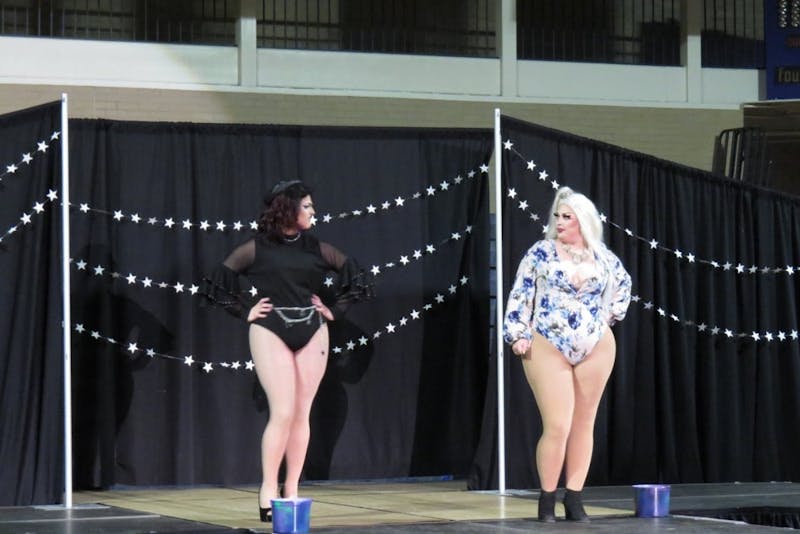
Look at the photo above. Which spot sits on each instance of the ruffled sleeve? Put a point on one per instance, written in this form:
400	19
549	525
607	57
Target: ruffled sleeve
351	284
222	286
520	304
617	294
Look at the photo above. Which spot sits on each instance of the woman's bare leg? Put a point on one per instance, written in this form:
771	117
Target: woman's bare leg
590	378
310	363
275	367
550	377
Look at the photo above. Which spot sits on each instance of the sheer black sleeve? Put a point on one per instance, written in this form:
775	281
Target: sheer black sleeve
353	283
222	287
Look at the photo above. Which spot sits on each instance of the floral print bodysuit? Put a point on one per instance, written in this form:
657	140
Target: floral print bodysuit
569	305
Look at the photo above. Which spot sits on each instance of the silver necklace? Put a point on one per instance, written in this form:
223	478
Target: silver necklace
291	239
578	256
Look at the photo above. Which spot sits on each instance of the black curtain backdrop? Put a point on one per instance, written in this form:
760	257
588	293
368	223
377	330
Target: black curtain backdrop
31	357
684	404
409	403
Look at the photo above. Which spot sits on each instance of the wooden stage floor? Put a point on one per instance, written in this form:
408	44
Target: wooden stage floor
397	507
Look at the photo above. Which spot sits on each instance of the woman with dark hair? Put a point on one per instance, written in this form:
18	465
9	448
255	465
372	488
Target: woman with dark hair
290	269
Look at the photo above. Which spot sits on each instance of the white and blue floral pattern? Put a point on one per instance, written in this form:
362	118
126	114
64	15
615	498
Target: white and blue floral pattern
572	318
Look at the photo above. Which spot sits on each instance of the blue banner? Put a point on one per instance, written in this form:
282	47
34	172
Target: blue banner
782	44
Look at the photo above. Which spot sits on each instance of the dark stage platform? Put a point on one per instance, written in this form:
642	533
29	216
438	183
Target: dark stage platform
391	509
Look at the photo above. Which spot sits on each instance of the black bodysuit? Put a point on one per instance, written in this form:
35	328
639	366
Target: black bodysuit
289	272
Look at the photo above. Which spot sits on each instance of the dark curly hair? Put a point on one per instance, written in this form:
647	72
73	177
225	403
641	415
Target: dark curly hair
281	208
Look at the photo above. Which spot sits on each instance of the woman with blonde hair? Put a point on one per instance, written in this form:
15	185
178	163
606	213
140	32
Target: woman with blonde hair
569	289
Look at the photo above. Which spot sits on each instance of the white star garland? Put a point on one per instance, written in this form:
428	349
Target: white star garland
208	367
27	157
766	337
679	255
26	218
177	223
178	287
133	350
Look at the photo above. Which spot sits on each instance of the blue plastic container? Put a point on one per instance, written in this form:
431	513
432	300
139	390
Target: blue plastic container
652	500
291	516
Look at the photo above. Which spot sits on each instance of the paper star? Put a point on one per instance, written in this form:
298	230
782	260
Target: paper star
417	254
782	336
38	207
356	213
555	185
26	158
151	353
81	265
399	201
178	287
485	169
444	185
152	221
468	229
628	232
326	218
79	328
26	218
753	269
11	169
512	193
458	179
193	289
362	341
98	270
714	331
523	205
376	335
371	209
439	298
416	195
187	224
385	205
508	144
403	321
390	328
133	348
531	165
431	191
350	345
169	223
463	280
543	175
648	305
118	215
727	266
455	235
147	282
471	174
236	365
678	254
221	226
603	218
661	312
237	226
768	336
188	360
404	260
328	281
789	270
728	333
313	220
793	334
701	327
253	226
756	336
204	225
740	268
375	270
427	307
207	367
430	249
54	135
690	257
414	314
452	289
42	147
253	291
249	365
714	264
95	334
52	195
131	279
163	285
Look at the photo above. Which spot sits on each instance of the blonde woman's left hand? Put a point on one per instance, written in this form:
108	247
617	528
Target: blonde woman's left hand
321	308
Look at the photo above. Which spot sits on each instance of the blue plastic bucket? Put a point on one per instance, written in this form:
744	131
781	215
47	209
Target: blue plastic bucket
652	500
291	516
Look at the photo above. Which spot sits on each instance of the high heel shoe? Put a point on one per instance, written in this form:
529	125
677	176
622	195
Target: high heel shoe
265	514
573	507
547	506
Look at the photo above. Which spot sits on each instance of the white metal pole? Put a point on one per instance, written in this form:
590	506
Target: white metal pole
67	329
498	234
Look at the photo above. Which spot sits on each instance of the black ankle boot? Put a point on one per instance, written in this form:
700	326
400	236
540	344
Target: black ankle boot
547	506
573	507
